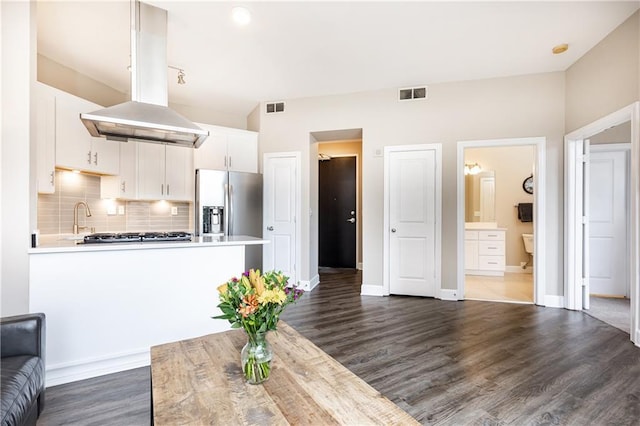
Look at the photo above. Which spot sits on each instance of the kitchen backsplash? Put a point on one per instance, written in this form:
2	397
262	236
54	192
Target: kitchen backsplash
55	211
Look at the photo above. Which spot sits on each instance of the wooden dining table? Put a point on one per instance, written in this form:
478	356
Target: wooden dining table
200	382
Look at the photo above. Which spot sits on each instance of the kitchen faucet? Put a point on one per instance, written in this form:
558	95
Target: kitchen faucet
87	211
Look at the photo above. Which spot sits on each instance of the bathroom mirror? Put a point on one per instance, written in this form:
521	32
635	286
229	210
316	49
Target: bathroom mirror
480	197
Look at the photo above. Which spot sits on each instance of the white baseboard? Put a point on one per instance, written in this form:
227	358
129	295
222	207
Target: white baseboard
449	294
371	290
309	285
553	301
71	372
359	266
518	269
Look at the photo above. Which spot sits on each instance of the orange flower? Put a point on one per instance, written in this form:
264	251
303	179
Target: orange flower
250	305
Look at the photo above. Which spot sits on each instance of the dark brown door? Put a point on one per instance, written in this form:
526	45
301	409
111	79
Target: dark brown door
337	219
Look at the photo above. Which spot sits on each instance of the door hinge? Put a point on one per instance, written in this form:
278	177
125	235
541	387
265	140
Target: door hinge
583	157
585	220
583	282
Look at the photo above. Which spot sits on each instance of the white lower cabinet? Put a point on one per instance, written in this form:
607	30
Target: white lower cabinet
484	252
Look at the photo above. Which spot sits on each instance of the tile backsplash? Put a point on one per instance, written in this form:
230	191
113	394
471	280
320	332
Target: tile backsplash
55	211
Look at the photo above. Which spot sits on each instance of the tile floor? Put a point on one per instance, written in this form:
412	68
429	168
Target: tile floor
512	287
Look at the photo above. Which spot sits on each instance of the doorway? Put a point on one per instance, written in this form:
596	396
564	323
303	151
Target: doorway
498	220
504	235
577	227
337	223
331	146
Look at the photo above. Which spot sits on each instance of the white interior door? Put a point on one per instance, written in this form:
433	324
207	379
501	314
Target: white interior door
608	189
413	204
280	203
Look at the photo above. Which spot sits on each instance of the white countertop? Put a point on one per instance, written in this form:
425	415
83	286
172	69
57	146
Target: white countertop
62	244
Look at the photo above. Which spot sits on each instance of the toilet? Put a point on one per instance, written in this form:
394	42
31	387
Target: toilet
528	247
528	243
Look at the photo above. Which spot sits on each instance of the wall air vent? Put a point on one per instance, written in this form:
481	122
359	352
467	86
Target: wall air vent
412	94
273	107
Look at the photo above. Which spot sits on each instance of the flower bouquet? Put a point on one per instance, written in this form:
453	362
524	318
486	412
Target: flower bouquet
254	302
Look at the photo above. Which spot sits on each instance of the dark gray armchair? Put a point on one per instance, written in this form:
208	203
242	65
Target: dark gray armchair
22	346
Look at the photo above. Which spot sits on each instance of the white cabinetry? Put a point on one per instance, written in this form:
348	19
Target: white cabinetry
125	185
165	172
75	147
46	139
484	252
226	148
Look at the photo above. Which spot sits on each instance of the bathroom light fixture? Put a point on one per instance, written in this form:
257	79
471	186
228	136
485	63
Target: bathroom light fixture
472	169
181	74
241	15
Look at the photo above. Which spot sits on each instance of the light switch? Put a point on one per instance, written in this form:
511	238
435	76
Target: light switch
120	210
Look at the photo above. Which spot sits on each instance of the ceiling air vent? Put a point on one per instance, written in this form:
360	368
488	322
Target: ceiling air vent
412	94
273	107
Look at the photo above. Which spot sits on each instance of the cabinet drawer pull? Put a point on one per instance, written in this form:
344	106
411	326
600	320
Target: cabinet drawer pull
89	157
52	178
162	189
168	190
123	186
95	159
229	161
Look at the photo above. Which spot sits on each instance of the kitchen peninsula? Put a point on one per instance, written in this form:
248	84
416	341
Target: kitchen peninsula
107	304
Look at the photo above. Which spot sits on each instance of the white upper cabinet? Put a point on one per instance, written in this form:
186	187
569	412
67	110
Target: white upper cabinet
228	149
46	139
124	185
75	147
165	172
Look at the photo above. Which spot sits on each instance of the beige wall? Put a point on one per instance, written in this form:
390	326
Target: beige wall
616	134
605	79
511	165
511	107
338	148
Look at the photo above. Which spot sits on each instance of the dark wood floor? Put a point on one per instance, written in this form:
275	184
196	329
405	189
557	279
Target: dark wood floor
446	363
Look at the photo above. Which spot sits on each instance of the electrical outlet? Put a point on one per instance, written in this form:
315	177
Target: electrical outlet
174	211
111	210
120	210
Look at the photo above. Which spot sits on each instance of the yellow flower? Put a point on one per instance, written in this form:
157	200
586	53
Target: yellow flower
272	296
223	288
257	281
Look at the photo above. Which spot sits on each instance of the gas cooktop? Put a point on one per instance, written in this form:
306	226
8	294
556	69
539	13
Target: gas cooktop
136	237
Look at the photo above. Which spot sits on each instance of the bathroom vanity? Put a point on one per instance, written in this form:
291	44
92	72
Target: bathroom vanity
484	250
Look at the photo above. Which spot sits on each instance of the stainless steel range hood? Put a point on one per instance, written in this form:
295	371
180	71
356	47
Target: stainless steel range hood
146	118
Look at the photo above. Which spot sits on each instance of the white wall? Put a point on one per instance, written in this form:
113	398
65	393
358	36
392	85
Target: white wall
511	107
18	188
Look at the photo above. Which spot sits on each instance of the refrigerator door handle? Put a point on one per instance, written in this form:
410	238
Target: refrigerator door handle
231	213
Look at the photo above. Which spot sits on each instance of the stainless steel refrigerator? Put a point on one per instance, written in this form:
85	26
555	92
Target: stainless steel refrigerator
230	203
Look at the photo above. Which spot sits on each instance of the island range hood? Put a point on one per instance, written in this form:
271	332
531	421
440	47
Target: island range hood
146	118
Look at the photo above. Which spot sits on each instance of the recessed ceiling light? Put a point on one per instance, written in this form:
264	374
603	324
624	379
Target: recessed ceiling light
241	15
560	48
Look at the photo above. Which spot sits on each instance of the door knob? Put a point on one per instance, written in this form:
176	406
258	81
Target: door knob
269	228
393	229
352	220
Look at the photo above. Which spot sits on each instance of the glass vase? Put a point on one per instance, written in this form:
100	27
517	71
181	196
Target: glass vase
256	358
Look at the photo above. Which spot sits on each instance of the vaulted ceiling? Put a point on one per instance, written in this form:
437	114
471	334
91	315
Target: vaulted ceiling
302	49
